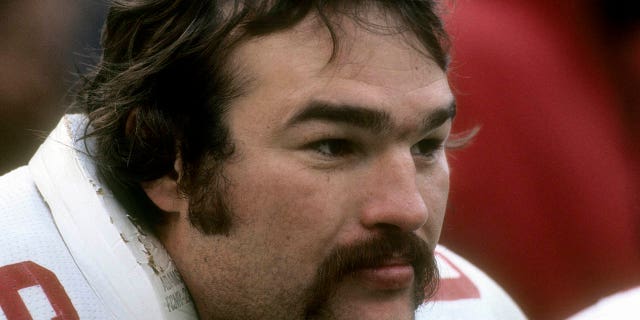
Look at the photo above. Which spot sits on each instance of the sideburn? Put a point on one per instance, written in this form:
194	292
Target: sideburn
206	187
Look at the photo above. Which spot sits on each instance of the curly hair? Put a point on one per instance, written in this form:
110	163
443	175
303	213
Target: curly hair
164	85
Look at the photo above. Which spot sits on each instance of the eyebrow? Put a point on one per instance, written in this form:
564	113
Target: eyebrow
366	118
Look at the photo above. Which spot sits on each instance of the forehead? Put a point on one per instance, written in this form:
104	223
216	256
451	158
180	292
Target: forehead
371	67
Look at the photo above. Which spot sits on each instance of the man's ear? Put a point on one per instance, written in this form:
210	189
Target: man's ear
165	193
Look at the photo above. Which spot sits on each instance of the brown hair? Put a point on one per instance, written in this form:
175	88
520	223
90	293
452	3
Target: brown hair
165	61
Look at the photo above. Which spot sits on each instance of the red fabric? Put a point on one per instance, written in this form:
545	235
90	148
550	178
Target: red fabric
27	274
459	287
547	198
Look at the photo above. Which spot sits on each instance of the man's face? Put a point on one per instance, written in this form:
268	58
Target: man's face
338	184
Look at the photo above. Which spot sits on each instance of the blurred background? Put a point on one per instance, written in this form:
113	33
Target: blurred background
547	198
44	44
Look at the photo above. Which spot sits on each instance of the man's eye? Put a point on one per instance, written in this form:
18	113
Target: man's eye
333	147
427	148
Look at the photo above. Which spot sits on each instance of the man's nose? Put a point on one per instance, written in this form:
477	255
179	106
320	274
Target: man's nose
392	194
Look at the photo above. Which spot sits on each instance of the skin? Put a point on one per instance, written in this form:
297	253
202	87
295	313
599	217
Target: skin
299	189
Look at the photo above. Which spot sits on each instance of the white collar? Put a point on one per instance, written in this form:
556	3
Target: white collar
127	267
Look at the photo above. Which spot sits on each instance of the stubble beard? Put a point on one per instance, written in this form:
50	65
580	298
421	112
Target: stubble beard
211	214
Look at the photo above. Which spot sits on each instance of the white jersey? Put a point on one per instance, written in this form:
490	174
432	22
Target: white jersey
466	292
68	250
620	306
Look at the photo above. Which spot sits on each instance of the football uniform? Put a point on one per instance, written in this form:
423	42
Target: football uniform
70	251
465	292
620	306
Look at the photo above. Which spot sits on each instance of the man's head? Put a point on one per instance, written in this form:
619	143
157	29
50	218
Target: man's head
289	155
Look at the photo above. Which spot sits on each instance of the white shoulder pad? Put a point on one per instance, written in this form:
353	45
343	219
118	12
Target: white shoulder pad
465	292
621	306
126	266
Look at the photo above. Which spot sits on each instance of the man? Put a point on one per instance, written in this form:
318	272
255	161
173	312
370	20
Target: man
289	156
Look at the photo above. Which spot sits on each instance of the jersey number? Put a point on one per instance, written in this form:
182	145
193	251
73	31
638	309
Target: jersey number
28	274
456	286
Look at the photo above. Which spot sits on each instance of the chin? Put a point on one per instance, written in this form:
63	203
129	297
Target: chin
365	304
379	311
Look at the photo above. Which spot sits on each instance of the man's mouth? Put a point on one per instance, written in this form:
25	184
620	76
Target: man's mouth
391	275
389	264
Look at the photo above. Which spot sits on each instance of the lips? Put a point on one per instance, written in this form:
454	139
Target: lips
391	275
391	264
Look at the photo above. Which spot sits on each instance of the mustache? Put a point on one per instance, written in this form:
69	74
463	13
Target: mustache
370	253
